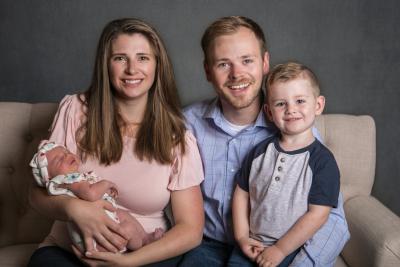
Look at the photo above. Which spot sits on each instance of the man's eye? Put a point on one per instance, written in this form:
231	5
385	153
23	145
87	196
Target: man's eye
300	101
248	61
223	65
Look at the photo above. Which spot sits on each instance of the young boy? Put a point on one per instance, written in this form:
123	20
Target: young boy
56	168
289	182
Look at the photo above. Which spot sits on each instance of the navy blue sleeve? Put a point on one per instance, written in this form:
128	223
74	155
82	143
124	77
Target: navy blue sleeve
325	185
242	176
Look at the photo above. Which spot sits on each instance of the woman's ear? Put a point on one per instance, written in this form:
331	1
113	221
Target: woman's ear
319	105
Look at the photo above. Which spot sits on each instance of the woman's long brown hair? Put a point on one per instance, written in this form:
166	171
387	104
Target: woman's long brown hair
162	128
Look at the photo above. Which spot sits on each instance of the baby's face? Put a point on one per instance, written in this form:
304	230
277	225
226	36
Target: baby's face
61	161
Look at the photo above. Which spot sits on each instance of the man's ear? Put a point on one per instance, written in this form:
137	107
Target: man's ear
266	63
207	70
268	112
319	105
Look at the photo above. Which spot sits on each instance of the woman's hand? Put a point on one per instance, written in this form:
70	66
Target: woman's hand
102	259
95	224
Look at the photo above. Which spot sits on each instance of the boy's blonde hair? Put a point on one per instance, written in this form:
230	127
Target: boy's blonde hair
290	71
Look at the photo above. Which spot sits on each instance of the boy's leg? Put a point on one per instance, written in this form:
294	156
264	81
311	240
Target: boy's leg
327	243
238	259
210	253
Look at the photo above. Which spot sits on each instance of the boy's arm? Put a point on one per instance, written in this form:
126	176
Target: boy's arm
90	192
240	216
304	228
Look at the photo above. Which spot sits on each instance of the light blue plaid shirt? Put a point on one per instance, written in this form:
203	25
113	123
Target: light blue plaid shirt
222	154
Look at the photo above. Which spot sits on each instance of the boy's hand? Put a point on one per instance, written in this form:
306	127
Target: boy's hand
250	247
270	257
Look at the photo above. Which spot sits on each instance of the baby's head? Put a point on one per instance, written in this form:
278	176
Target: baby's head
51	160
293	97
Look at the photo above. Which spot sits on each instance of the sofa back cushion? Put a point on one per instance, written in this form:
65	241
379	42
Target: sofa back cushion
352	140
22	127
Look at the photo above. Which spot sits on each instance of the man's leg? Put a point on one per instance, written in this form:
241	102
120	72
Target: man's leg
210	253
238	259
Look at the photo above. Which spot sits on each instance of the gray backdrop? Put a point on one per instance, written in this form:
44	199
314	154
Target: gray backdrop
47	50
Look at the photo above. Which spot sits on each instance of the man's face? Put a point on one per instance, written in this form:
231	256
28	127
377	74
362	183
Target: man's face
235	66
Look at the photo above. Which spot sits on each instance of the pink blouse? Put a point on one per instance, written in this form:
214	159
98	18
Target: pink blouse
144	187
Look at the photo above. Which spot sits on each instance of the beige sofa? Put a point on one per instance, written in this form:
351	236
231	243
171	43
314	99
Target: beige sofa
375	230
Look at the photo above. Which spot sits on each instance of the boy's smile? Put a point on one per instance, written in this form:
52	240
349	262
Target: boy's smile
293	105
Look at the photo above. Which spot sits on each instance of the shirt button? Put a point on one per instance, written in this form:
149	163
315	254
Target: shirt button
280	168
283	159
277	178
233	170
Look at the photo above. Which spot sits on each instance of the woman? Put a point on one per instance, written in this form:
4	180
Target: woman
128	128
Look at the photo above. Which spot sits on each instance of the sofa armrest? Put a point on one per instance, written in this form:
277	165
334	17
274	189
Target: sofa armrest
375	233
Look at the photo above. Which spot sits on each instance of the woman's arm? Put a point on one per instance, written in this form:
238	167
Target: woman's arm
88	216
187	233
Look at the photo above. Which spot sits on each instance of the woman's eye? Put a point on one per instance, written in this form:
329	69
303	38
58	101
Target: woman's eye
119	58
143	58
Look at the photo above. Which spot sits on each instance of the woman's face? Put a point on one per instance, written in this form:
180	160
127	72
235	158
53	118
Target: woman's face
132	67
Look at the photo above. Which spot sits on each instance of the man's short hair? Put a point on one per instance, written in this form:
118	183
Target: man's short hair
230	25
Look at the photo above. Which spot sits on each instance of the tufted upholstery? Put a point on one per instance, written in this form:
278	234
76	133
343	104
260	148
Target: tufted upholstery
375	230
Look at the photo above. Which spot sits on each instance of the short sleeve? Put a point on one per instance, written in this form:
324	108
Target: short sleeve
66	122
325	186
187	169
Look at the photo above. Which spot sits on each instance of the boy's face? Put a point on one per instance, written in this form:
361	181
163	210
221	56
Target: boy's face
235	66
293	105
61	161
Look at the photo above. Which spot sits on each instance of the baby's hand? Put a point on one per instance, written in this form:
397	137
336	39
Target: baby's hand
270	257
113	191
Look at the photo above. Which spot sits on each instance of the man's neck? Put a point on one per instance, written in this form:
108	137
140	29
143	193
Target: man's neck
242	116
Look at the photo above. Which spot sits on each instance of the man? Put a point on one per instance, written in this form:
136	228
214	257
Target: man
227	128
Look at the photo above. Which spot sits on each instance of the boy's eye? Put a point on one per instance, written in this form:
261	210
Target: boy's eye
279	104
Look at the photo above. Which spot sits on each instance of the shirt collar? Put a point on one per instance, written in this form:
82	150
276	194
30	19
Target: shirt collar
214	113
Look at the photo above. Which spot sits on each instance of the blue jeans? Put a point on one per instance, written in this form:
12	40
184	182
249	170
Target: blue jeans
55	256
210	253
238	259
